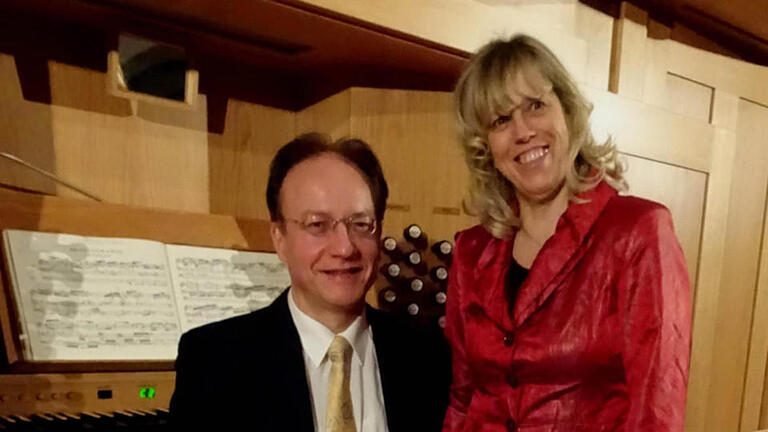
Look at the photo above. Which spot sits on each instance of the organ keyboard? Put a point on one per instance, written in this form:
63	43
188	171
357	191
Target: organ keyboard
126	420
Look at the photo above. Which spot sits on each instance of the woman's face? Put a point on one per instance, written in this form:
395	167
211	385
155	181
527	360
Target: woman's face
529	142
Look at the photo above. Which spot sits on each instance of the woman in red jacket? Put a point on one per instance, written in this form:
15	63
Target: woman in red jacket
569	305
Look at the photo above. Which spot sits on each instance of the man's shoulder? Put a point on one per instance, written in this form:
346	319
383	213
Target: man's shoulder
238	331
389	322
227	328
415	365
398	333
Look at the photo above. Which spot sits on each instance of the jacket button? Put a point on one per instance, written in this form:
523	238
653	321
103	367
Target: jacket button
509	338
513	381
511	425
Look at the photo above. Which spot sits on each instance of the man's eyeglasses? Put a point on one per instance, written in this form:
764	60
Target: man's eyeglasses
320	226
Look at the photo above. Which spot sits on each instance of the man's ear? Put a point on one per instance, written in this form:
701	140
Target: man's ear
278	239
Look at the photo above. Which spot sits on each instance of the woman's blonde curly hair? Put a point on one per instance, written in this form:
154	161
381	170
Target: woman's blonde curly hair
482	94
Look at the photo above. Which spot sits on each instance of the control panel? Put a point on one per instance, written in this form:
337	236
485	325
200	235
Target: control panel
23	394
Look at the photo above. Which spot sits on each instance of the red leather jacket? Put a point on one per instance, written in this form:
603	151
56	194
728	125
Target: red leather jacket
600	336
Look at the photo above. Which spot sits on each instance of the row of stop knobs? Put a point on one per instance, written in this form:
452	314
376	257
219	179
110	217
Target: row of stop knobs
413	289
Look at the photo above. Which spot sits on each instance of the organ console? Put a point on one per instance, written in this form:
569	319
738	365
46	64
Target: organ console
84	400
94	394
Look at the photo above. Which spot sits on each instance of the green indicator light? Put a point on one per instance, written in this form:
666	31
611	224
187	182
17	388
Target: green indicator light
147	392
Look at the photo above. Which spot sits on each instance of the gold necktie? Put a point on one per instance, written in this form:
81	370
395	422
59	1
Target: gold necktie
338	412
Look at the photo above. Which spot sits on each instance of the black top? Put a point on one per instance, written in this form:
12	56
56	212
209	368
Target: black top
515	277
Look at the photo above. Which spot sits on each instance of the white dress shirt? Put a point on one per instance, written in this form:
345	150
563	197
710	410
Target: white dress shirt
364	381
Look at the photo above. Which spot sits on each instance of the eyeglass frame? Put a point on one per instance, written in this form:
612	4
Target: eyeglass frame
347	221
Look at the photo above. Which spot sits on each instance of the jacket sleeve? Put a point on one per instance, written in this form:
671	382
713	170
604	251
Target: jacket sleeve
461	383
654	298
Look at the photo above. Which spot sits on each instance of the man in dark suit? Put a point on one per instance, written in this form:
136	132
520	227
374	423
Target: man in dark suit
317	359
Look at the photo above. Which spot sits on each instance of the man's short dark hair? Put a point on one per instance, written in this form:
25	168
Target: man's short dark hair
307	146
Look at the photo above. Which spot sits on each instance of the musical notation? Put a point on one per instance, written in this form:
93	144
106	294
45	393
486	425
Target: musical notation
86	298
93	298
214	284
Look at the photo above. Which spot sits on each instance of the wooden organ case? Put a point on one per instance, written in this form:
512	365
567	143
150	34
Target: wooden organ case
285	55
682	117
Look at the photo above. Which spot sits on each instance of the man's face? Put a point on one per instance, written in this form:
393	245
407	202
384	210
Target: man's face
331	272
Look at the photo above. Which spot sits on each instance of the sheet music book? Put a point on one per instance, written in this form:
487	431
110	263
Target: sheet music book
98	298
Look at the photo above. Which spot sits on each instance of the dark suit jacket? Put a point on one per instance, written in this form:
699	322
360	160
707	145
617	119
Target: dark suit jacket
248	373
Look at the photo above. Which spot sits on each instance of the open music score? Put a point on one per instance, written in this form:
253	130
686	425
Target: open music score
93	298
213	284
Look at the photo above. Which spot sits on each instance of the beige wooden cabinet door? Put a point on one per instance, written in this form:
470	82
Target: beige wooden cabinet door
728	375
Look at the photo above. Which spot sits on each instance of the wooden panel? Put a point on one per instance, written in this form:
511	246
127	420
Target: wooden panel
764	407
413	134
597	29
240	157
696	159
655	74
330	116
25	131
279	53
756	386
162	162
755	383
629	55
725	110
652	133
682	191
688	97
705	303
704	346
386	120
468	24
677	93
724	73
64	215
739	279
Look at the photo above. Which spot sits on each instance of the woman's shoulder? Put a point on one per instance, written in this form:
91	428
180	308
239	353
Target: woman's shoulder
476	235
627	215
475	232
470	242
635	210
635	203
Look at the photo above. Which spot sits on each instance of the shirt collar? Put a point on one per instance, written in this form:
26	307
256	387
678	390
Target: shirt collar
316	338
